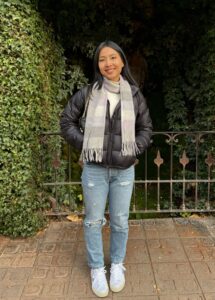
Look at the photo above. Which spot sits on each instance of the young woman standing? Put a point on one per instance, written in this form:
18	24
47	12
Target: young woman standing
118	128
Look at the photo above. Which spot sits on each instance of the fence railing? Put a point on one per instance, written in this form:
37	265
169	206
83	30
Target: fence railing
176	174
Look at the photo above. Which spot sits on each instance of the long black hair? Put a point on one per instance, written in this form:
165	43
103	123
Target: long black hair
98	78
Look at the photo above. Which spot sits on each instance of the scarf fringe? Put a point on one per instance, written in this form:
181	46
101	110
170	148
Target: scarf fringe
129	149
92	155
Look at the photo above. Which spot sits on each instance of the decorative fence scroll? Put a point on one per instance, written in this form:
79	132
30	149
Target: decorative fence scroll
176	174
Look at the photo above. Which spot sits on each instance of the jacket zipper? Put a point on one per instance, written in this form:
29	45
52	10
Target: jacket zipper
110	142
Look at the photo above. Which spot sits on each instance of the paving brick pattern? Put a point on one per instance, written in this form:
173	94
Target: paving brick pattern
167	259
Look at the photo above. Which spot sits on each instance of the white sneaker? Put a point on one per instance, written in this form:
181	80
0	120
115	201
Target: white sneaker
99	282
117	277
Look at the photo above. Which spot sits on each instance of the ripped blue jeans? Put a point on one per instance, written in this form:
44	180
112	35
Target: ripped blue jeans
116	185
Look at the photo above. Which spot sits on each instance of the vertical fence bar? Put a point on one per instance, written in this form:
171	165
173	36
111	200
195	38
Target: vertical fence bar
134	198
171	171
56	193
158	161
71	204
55	165
184	161
196	172
210	162
146	178
54	187
209	188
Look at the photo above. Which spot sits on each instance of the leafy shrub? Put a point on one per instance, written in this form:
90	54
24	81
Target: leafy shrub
189	84
32	73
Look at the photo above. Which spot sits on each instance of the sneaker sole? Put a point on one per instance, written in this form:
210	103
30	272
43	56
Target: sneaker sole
101	295
117	289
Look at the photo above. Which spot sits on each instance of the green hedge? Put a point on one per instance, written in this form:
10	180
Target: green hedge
32	73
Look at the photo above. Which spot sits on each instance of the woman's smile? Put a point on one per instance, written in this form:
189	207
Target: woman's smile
110	63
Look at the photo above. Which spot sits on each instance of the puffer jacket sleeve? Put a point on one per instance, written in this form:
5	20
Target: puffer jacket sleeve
69	121
143	127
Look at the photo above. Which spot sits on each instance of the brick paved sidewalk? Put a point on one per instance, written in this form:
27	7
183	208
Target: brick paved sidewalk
167	259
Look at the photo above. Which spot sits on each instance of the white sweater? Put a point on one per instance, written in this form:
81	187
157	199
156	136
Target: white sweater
113	100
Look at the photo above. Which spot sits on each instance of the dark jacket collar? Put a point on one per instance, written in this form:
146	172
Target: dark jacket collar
134	89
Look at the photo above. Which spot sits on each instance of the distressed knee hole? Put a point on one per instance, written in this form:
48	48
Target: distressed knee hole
91	184
100	222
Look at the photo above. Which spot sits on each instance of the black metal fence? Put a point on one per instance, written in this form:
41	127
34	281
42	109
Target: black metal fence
176	174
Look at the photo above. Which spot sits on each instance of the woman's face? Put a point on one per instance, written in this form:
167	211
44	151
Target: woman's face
110	63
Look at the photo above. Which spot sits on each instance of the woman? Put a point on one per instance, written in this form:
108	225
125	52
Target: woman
117	129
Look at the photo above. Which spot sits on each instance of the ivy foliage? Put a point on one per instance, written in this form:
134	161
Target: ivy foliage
187	57
32	73
187	60
81	25
175	38
176	43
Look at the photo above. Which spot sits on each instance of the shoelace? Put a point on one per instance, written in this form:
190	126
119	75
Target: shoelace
117	269
97	274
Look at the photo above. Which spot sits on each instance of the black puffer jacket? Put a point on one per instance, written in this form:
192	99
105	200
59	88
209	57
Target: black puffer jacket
112	140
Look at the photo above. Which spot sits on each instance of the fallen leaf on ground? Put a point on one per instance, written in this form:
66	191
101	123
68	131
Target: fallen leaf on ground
74	218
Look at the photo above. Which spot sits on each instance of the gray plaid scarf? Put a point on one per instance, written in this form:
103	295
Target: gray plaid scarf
95	121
